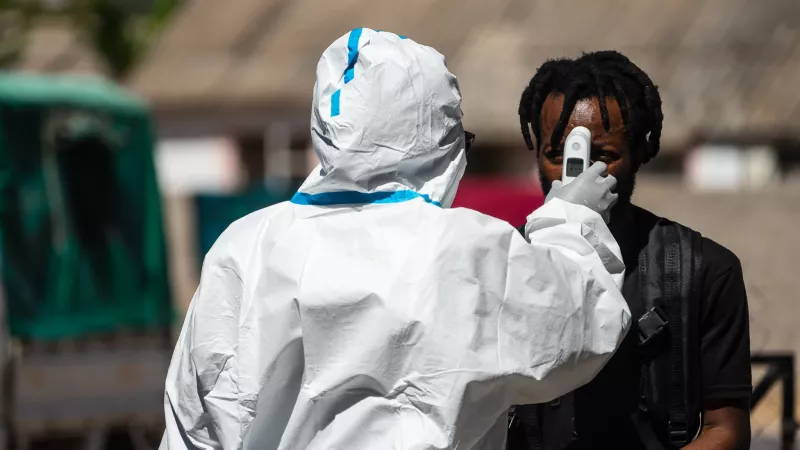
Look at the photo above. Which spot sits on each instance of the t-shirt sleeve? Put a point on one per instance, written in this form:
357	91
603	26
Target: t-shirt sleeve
725	329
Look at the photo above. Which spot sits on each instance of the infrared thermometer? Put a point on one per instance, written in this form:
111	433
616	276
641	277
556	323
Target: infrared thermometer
576	153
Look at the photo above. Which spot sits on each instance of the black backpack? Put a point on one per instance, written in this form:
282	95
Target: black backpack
670	287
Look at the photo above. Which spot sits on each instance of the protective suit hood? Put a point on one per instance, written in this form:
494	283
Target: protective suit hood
385	123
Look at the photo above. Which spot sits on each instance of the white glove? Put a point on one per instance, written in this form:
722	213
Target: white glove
591	189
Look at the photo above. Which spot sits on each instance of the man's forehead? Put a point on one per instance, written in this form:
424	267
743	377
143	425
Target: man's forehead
585	113
584	110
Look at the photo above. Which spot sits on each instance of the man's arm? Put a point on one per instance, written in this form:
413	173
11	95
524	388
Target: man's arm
726	426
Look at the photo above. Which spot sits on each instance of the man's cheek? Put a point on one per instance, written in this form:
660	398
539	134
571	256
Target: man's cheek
619	169
553	172
548	173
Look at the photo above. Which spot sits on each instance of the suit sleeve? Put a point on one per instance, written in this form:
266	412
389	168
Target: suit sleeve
563	315
200	401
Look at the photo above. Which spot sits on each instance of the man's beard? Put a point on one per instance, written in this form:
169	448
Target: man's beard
625	188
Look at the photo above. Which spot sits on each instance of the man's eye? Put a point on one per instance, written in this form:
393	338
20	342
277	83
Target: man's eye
555	154
605	156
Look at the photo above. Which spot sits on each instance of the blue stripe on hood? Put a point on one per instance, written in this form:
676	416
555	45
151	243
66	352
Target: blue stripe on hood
358	198
349	71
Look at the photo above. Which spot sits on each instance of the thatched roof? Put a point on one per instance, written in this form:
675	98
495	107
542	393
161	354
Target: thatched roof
725	67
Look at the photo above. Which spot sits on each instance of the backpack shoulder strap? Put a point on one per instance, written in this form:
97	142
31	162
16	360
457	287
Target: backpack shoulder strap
670	272
691	295
675	305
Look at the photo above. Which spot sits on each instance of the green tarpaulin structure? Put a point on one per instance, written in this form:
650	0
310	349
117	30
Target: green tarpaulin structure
81	237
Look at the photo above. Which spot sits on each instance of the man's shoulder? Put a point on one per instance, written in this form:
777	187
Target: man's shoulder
717	259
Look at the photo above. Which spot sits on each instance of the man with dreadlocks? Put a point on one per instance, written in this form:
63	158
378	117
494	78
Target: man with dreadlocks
681	378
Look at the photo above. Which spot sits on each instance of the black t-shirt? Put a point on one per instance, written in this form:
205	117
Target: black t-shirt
603	407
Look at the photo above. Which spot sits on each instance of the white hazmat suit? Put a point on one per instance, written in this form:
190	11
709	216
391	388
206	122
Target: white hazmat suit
365	314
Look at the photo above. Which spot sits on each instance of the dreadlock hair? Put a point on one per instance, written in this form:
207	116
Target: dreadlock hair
598	74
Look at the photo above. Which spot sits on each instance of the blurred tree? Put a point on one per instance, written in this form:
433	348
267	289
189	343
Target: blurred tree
14	15
110	31
120	31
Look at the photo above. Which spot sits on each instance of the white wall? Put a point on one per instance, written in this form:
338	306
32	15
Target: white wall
727	168
187	166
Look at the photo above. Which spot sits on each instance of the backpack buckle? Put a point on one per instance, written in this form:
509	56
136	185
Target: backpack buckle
678	433
651	324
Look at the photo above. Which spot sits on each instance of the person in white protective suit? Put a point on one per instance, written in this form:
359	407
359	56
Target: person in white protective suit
365	314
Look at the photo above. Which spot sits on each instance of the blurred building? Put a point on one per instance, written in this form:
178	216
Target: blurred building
246	68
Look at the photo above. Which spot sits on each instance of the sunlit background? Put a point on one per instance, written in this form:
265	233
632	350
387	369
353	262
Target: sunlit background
200	110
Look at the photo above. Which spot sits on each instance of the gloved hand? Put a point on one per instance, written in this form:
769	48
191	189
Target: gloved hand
591	189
